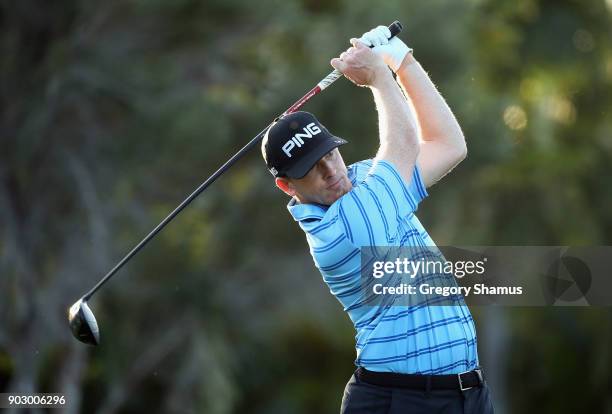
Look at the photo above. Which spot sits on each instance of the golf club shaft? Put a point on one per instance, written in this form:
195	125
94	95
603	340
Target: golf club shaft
395	28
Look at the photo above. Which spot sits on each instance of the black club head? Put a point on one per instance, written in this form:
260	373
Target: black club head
83	323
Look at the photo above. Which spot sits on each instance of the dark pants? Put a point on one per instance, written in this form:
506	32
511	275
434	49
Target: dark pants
363	398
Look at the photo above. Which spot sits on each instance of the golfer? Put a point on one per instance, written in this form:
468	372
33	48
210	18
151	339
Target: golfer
410	359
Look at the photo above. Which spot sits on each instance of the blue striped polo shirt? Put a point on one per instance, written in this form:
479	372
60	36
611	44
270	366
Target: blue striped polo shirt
379	211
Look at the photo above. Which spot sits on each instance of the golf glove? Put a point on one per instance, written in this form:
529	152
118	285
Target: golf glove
393	51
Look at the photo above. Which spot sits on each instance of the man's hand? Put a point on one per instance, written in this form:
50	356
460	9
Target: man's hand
361	65
393	51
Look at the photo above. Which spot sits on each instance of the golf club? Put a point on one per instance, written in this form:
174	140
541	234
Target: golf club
82	320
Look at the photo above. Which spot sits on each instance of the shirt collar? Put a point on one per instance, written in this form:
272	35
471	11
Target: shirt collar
302	212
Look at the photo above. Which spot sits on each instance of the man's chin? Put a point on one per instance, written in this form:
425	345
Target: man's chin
338	194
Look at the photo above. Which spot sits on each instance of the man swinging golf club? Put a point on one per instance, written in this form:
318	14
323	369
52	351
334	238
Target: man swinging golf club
410	359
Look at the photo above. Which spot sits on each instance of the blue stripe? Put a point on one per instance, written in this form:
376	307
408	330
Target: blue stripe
402	314
444	368
419	182
340	262
364	216
340	279
347	228
380	211
323	226
329	245
368	299
349	292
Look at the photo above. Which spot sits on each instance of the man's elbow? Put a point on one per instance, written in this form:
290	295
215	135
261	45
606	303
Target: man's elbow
463	152
460	151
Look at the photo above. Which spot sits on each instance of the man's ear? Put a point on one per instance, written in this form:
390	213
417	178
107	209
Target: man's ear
285	185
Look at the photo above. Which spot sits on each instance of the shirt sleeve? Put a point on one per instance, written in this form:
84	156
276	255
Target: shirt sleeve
374	209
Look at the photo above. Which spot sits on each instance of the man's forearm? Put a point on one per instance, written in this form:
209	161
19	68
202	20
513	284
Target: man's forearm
435	118
399	140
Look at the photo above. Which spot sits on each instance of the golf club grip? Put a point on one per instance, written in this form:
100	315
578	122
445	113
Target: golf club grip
394	28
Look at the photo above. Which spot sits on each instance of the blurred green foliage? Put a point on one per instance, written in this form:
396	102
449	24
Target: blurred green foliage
111	112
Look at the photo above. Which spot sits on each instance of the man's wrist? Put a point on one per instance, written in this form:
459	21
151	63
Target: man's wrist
382	78
399	51
407	61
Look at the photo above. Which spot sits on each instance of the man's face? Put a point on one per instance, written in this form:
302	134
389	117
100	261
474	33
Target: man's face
325	183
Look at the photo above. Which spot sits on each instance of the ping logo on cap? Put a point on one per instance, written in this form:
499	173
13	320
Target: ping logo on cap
310	130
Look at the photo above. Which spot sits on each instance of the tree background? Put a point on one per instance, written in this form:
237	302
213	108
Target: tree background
112	112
